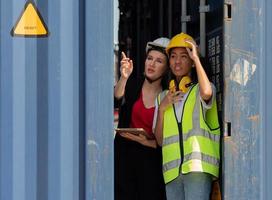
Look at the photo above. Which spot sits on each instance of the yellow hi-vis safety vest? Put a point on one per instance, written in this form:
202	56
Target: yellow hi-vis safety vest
200	136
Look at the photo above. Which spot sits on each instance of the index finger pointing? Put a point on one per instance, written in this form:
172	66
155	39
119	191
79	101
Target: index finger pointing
123	55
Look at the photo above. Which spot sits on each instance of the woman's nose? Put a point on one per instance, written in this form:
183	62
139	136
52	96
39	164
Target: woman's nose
152	63
178	59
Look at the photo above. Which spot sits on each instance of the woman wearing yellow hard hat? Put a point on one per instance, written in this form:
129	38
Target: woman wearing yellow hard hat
186	125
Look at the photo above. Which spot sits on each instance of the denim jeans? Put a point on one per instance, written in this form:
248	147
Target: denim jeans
192	186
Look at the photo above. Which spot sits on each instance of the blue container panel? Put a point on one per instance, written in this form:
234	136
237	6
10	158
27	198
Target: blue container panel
99	99
247	107
49	106
266	106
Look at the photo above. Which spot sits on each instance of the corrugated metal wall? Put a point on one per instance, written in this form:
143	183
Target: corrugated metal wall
247	151
56	104
266	80
56	117
99	101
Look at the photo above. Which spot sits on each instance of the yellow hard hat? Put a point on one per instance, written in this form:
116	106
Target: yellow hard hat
179	41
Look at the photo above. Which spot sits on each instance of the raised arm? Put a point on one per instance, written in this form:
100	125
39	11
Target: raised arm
205	87
126	70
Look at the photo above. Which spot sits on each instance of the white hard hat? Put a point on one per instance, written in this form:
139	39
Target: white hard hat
158	43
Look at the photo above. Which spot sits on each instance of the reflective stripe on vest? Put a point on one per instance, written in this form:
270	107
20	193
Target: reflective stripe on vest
200	139
193	132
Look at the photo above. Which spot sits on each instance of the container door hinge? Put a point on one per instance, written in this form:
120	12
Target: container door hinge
227	129
204	9
227	11
186	18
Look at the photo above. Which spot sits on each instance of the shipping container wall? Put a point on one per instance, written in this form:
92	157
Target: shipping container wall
266	105
247	109
53	97
99	99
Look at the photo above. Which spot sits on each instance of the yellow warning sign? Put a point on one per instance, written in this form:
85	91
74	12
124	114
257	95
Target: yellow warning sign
30	23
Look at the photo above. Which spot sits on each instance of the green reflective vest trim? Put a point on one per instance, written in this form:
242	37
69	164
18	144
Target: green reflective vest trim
201	139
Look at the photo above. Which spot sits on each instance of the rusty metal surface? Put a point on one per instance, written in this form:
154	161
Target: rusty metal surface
245	105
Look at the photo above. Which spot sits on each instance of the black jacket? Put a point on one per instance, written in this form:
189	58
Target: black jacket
132	93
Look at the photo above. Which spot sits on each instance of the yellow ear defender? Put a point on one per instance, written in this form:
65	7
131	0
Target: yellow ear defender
172	86
183	85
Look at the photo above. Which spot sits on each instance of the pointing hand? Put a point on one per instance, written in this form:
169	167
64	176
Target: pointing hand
126	66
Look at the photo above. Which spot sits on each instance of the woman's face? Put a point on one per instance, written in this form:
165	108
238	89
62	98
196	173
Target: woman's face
155	64
180	62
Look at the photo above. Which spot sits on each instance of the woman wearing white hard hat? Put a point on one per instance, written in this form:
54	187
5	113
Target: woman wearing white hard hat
138	172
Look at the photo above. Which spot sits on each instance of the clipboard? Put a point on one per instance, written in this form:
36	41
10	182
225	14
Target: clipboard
135	131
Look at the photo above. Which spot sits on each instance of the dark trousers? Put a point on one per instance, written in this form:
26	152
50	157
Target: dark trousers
138	171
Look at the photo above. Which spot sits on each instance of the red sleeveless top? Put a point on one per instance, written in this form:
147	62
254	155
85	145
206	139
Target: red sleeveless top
142	117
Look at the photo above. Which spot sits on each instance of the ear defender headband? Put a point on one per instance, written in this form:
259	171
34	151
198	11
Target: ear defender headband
182	86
